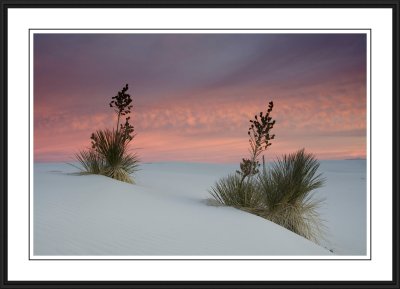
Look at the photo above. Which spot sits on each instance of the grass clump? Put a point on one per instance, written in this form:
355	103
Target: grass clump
90	161
287	188
109	154
282	193
232	191
112	147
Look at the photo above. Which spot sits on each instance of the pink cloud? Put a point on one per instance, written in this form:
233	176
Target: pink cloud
210	126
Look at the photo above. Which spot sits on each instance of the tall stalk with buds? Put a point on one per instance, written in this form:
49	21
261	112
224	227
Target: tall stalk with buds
121	103
259	139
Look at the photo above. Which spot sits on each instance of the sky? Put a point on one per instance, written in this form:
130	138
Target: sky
194	94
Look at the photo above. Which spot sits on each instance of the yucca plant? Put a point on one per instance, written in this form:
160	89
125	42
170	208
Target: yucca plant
287	189
281	193
109	154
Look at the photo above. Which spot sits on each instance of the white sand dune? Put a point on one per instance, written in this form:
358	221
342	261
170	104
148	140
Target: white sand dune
345	209
165	214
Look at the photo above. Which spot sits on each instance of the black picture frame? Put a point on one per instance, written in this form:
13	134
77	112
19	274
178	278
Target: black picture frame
5	5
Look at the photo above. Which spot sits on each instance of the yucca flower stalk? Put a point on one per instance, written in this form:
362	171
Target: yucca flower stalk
259	140
121	104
